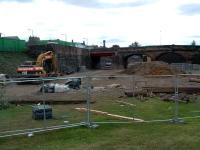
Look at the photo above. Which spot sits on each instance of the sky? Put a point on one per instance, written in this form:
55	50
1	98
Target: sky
119	22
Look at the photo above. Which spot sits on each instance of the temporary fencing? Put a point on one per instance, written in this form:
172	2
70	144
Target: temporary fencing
33	105
43	104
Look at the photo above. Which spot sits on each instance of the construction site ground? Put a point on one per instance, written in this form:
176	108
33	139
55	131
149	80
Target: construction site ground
154	134
102	81
107	95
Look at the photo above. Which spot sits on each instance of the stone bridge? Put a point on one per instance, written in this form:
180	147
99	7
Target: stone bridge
121	56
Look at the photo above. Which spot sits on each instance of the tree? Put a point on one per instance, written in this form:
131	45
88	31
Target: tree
193	43
135	44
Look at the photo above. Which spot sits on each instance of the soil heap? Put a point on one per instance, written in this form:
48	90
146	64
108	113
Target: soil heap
151	68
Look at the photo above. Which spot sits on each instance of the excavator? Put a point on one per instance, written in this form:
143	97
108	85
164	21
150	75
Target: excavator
44	66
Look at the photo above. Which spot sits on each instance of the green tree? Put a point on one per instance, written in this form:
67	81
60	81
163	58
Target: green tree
135	44
193	43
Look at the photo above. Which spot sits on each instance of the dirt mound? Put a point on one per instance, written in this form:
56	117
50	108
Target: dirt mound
151	68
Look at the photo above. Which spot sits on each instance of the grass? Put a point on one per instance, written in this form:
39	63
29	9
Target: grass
149	136
135	136
20	117
10	60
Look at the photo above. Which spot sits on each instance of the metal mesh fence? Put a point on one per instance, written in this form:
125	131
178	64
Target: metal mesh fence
33	105
187	68
129	99
36	105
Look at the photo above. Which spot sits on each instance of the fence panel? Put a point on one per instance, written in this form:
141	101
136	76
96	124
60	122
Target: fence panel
188	99
132	99
187	68
35	105
40	104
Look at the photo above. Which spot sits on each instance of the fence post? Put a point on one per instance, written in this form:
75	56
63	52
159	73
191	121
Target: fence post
133	88
3	100
43	98
89	123
133	84
176	119
88	98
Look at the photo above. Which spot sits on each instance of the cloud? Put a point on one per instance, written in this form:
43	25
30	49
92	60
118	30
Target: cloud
21	1
103	5
194	36
110	40
115	40
94	24
190	9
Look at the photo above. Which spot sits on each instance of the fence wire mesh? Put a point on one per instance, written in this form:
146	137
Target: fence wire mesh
129	98
37	105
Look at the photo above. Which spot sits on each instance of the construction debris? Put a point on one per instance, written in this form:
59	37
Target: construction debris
112	77
181	97
98	88
102	88
194	80
128	93
60	88
111	115
114	85
187	90
54	88
139	93
74	83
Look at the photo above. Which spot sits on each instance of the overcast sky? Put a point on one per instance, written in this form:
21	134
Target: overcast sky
121	22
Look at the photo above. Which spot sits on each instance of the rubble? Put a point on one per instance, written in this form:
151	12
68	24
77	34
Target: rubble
98	88
187	90
128	93
74	83
54	88
114	85
182	97
196	80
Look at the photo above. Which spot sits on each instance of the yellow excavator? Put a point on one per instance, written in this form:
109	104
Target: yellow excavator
44	66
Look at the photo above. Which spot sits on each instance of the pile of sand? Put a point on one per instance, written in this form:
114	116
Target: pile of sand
151	68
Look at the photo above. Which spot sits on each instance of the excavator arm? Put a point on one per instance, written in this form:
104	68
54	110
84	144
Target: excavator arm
47	60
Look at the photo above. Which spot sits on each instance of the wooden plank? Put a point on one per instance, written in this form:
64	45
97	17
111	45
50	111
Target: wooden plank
126	103
111	115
